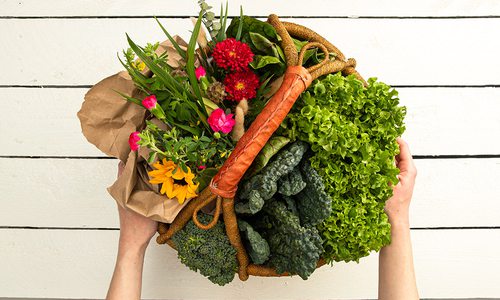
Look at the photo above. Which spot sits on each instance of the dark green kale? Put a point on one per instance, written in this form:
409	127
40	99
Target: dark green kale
256	246
265	184
313	203
291	183
253	205
208	251
294	248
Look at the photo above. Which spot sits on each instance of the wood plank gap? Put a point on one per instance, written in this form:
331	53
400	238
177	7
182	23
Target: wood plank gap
447	86
254	16
59	228
52	86
453	156
57	157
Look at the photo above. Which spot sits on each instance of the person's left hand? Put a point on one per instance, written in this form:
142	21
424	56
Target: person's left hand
135	230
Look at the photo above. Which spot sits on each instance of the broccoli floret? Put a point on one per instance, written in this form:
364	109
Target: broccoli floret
291	183
208	251
256	246
313	203
294	248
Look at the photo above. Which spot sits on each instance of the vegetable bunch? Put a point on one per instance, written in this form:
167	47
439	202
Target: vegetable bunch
352	132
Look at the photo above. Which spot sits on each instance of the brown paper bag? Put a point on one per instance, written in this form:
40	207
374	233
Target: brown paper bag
107	121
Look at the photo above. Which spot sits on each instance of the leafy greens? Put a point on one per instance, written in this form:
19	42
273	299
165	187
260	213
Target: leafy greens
352	131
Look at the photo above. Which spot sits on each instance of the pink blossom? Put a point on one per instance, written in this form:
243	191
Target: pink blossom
149	102
133	140
200	72
202	167
219	121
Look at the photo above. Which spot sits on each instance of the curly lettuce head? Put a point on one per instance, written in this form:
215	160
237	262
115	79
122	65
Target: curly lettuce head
352	131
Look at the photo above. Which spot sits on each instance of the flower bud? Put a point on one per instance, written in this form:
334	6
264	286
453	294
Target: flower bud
149	102
200	72
133	141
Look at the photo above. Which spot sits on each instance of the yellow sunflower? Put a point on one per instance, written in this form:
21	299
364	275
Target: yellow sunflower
175	182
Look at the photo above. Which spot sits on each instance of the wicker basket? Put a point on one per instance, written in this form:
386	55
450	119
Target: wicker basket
223	187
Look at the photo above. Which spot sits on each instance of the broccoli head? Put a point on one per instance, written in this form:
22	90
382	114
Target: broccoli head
208	251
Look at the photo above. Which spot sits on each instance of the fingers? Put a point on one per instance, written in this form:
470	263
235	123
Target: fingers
404	159
404	150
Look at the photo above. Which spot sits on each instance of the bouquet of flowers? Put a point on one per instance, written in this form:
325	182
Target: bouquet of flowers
259	148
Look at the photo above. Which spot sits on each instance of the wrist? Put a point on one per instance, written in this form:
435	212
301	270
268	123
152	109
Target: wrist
132	246
399	218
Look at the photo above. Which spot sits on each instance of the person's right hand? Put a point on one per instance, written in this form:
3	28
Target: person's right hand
397	207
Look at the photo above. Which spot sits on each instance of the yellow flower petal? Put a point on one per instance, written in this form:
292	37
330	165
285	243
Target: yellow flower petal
181	193
163	174
170	188
179	174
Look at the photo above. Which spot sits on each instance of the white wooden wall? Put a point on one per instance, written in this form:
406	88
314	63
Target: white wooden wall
58	226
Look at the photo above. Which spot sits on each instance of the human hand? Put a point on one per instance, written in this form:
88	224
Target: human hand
135	230
397	207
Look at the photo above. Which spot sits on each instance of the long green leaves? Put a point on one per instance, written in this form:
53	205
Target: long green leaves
223	20
128	98
240	26
181	52
173	85
190	63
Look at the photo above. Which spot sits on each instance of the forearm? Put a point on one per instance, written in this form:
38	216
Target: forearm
396	272
127	277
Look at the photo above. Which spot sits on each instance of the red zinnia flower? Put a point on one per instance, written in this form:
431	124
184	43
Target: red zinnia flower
241	85
231	54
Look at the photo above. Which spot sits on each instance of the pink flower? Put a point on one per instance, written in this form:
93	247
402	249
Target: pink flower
133	140
200	72
202	167
149	102
219	121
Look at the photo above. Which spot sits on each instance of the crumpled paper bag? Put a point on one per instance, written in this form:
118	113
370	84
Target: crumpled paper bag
107	121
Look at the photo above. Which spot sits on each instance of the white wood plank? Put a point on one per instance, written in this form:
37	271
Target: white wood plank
57	192
78	264
452	120
399	52
71	193
43	122
439	121
251	7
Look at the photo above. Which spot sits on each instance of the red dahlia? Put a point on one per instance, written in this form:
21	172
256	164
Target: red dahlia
241	85
231	54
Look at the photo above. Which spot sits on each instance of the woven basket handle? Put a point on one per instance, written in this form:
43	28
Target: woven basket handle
296	80
339	64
